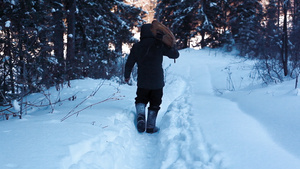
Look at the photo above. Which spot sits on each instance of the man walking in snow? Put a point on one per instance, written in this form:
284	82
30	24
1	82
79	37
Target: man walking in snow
148	54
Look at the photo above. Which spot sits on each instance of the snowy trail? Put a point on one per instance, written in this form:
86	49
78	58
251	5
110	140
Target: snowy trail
198	130
120	147
181	141
179	144
226	126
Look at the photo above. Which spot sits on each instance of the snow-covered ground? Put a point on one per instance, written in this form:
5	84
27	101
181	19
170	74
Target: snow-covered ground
213	116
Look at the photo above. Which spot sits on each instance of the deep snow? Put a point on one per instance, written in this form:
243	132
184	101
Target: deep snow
213	116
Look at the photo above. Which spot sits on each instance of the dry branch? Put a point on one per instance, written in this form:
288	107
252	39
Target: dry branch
72	112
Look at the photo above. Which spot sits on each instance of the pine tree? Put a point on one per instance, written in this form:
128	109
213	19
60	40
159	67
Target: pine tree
190	18
102	28
180	16
126	18
284	48
294	38
58	13
7	58
270	47
32	46
92	37
26	48
72	63
245	22
213	28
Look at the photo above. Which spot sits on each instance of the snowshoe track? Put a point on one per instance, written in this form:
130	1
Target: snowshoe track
181	144
178	144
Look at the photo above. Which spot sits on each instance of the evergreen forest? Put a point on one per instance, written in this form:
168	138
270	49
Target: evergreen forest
45	43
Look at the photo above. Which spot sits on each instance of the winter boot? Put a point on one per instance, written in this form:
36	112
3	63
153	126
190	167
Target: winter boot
140	111
151	120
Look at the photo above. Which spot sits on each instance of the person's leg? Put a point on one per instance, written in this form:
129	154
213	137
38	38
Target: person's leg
140	103
142	96
155	101
140	117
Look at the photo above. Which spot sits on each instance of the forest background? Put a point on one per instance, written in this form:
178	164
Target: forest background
47	43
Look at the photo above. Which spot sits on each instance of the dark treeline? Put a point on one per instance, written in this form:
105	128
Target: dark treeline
267	30
46	43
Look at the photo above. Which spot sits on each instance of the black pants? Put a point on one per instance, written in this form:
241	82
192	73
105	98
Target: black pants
147	95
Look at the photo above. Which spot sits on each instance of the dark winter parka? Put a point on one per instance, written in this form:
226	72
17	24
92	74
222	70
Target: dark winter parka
148	54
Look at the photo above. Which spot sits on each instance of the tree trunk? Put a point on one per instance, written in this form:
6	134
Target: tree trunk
119	47
284	49
185	43
278	12
58	41
71	7
58	36
202	33
7	52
